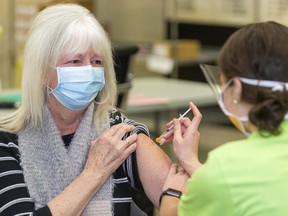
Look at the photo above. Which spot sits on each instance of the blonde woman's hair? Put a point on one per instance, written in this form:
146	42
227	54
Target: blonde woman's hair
55	32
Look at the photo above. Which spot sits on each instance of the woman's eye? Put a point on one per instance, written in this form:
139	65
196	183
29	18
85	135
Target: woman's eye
97	62
75	61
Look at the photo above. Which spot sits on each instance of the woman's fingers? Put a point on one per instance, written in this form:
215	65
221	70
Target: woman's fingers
192	126
177	131
184	124
188	125
196	120
130	140
109	150
173	168
119	130
169	124
176	179
112	138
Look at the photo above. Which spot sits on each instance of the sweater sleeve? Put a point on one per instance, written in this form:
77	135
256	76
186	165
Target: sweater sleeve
14	195
133	174
130	165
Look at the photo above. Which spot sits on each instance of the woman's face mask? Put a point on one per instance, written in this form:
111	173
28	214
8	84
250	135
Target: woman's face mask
78	86
238	122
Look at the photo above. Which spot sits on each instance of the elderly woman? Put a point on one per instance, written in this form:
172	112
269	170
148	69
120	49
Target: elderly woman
66	151
249	176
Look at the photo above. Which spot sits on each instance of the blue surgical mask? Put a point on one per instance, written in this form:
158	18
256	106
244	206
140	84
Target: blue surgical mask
78	86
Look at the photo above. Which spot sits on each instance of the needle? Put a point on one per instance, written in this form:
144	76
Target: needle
161	139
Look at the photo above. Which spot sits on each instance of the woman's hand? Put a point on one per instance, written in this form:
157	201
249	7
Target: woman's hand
186	140
109	151
185	122
176	178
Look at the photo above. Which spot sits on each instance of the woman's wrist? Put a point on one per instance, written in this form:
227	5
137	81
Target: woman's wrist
190	167
169	205
93	177
170	192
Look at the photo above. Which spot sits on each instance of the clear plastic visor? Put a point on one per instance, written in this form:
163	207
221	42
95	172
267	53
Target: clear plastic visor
213	76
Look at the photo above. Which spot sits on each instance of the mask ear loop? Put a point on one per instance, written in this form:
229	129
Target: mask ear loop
238	122
49	89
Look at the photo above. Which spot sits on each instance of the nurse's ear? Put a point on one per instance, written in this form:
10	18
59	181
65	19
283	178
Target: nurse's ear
237	89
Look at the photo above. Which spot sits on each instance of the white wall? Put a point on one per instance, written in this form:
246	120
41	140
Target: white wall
132	20
7	77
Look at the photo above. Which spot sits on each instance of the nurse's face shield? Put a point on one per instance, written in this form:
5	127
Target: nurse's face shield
213	76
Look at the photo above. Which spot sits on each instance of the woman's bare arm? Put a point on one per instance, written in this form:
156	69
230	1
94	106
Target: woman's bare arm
153	165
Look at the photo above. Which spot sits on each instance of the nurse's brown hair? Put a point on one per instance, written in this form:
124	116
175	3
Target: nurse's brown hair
259	51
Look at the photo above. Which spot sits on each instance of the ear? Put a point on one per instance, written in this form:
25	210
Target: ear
237	89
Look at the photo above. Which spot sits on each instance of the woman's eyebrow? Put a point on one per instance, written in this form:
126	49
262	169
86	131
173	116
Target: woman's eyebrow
70	56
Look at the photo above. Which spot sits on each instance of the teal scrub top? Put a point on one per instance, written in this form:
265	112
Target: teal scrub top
241	178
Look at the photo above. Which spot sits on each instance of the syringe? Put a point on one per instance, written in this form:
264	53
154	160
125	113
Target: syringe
161	139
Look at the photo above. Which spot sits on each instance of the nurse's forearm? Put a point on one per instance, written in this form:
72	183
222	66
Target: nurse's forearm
169	206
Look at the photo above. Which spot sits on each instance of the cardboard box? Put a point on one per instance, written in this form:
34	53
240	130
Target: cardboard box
177	49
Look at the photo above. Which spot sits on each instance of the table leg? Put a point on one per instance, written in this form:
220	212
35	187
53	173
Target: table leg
157	123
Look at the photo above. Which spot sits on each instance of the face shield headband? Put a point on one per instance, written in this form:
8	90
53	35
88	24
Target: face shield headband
212	74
